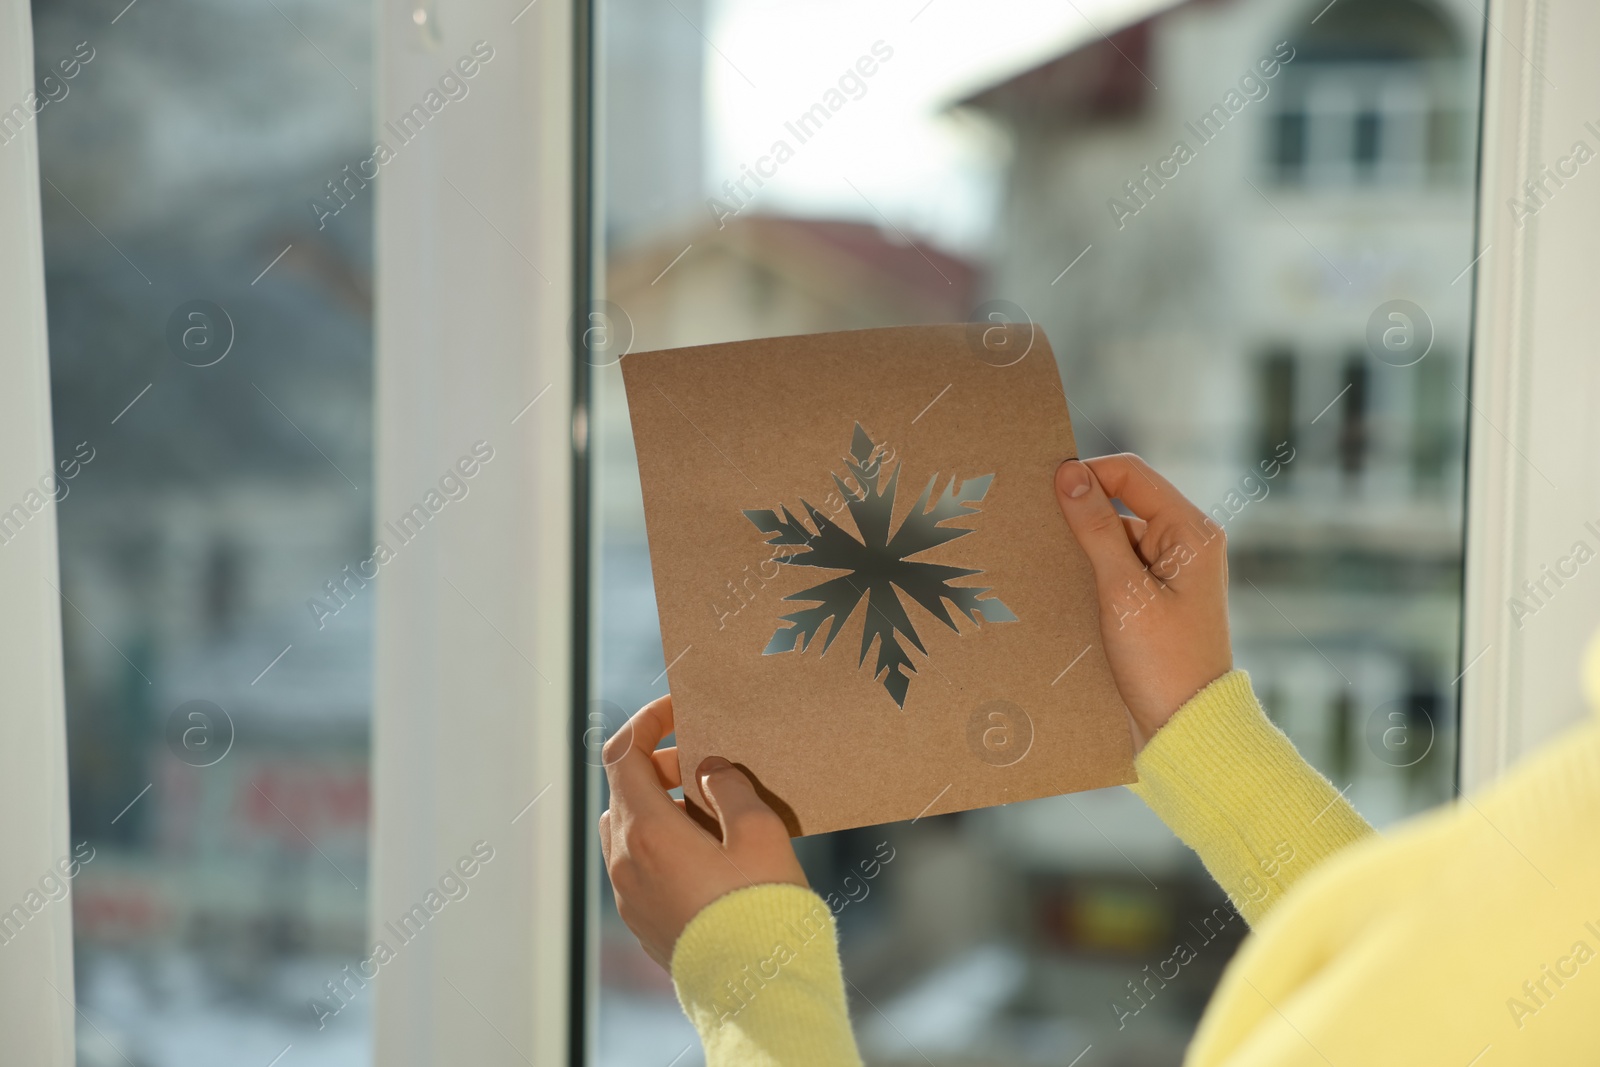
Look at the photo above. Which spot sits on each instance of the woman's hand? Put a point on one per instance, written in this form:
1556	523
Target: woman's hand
1162	580
663	866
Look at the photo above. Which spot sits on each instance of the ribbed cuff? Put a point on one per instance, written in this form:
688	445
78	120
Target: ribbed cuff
1233	788
757	972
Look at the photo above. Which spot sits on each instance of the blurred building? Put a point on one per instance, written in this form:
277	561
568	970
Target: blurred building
1210	309
767	276
179	167
1219	317
653	87
246	858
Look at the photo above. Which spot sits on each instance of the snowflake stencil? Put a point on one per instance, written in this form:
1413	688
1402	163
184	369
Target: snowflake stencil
878	565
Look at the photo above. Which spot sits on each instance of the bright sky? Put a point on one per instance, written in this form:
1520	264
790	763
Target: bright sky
930	174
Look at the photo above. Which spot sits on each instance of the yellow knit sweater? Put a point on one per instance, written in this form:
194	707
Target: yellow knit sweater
1468	938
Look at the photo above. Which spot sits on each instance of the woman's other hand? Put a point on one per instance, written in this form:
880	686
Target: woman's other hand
664	867
1162	580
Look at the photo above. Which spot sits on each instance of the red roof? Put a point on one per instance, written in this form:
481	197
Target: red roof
845	260
911	264
1106	78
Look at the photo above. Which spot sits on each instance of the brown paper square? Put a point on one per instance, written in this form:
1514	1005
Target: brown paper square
993	712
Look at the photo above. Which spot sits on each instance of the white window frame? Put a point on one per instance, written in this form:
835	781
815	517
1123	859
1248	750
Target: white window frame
1535	381
36	995
478	261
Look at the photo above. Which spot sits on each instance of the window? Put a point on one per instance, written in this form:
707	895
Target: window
1277	412
1354	428
1217	326
1289	145
1373	95
1433	441
211	374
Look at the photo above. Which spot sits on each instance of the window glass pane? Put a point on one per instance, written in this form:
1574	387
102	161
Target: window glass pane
1289	145
209	299
1368	128
1277	411
1273	314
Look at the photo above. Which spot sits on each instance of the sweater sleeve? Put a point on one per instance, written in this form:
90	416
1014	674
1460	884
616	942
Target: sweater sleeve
758	974
1233	788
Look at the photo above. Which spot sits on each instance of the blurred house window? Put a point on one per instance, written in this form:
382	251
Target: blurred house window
1372	96
1342	737
223	586
1434	434
1423	714
1368	128
1277	401
1289	145
1355	429
1448	143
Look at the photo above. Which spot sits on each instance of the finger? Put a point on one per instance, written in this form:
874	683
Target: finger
1176	533
1096	525
643	731
605	837
1148	495
744	817
1144	546
666	761
635	788
1135	528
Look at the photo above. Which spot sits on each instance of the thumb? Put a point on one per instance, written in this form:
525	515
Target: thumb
1096	525
744	817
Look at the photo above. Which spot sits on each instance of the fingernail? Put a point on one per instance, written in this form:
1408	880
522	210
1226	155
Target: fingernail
711	764
1073	479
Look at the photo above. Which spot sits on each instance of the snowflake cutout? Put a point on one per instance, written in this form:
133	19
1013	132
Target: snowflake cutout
879	566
